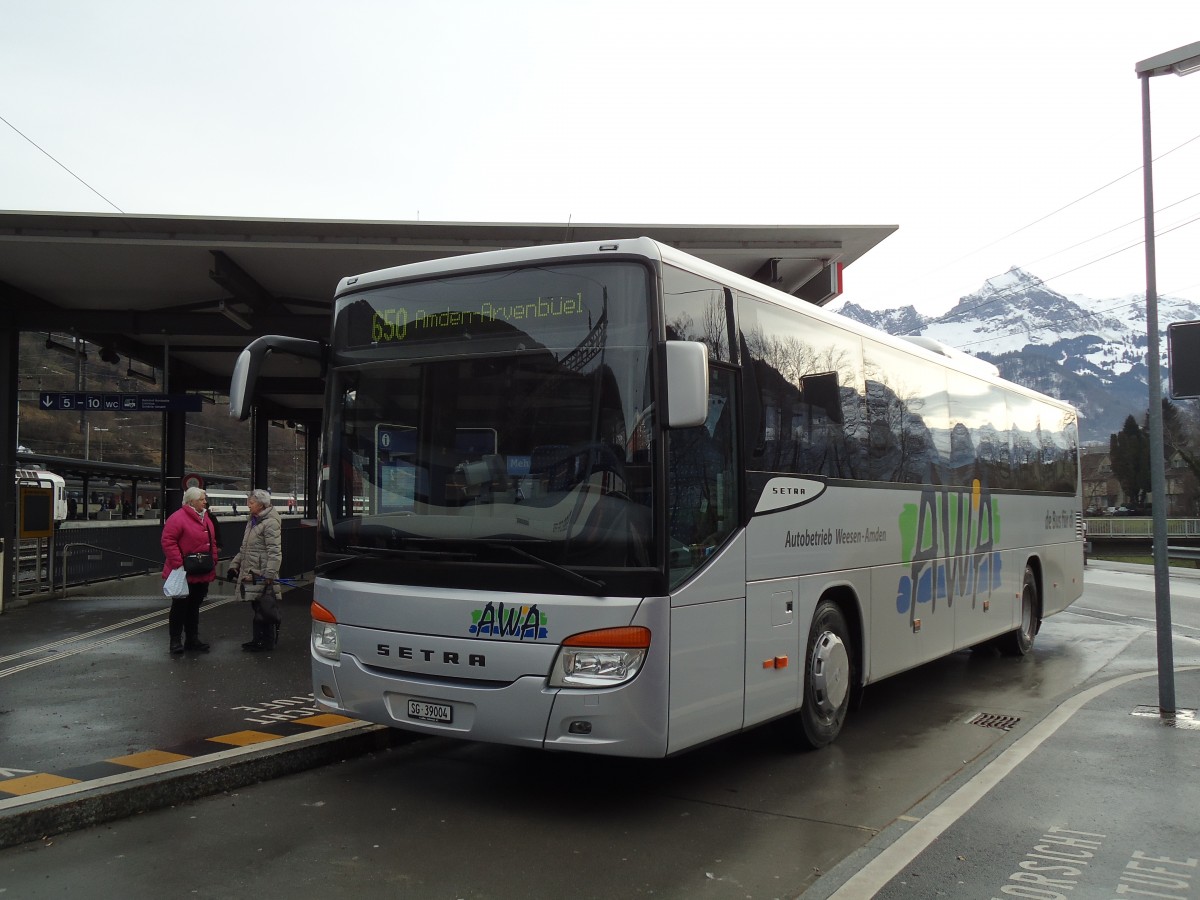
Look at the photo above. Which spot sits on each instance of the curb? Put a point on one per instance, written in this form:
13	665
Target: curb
127	795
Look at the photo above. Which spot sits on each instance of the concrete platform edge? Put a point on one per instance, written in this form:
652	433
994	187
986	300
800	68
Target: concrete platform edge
156	791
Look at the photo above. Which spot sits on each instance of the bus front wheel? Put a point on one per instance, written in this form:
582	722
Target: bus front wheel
828	677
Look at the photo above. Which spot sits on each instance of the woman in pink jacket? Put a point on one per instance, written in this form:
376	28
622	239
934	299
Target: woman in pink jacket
189	530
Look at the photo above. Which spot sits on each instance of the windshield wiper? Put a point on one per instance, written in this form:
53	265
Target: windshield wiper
569	574
419	553
332	565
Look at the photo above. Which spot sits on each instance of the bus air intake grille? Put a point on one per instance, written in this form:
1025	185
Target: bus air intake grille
991	720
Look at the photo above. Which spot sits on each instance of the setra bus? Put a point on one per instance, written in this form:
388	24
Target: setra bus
610	498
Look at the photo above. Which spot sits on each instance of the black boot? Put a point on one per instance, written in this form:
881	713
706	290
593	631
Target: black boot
258	642
194	643
176	646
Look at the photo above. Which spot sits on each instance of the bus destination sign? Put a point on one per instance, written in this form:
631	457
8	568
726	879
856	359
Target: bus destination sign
396	322
75	401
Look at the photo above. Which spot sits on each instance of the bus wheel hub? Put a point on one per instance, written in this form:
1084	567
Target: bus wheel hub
829	673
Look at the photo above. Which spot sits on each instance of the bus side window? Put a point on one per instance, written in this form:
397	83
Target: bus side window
754	433
803	394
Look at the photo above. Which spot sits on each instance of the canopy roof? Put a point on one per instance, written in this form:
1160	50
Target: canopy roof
191	291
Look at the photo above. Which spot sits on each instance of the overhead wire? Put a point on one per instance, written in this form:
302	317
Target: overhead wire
1000	295
1067	205
1096	237
1037	282
62	166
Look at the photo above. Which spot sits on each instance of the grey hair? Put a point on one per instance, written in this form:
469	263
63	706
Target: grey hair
192	494
260	495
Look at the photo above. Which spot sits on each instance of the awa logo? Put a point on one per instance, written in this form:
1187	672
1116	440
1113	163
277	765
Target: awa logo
948	541
496	621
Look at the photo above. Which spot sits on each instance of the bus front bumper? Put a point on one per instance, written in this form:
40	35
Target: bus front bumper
523	713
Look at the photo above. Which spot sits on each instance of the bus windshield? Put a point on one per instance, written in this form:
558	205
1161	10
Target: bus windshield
495	418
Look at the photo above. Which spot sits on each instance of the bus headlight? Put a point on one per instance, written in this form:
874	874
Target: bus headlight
604	658
325	633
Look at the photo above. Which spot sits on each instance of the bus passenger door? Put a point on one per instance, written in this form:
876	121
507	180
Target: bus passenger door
773	664
708	573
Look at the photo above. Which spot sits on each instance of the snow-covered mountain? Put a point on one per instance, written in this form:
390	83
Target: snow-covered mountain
1091	353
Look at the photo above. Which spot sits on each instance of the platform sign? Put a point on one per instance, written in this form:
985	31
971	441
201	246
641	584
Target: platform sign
75	401
37	512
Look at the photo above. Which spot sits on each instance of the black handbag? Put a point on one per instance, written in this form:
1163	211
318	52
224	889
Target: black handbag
200	563
266	608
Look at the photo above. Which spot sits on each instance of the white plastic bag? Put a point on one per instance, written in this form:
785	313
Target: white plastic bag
176	584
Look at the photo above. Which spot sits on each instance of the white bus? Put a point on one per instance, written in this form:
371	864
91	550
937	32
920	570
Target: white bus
611	498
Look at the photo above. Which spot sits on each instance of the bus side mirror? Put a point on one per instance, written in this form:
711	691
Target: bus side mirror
687	384
249	362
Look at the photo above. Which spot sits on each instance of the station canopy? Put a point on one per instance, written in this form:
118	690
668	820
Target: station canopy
189	293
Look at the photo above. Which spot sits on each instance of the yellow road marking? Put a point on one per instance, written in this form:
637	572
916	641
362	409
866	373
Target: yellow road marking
31	784
325	720
244	738
147	759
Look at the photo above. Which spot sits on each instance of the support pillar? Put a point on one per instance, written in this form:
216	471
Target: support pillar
10	341
258	450
174	444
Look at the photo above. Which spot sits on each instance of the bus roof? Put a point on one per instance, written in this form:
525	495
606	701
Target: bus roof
656	251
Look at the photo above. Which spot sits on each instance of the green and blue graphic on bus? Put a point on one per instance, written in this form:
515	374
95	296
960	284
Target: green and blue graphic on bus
522	622
948	539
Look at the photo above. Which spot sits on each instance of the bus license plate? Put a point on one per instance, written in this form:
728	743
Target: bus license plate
430	712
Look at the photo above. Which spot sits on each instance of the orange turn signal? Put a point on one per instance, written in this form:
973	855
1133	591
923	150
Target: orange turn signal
631	637
321	614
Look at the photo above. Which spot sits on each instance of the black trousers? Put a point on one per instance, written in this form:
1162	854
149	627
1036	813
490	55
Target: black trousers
185	612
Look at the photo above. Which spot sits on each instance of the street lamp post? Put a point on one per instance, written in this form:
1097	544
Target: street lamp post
1180	61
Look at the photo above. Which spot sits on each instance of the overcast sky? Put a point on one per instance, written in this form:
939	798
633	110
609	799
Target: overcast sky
964	123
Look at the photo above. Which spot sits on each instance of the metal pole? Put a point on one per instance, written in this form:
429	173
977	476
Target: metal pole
1158	493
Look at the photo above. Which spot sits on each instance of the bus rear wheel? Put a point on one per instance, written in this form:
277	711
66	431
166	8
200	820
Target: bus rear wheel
828	678
1020	641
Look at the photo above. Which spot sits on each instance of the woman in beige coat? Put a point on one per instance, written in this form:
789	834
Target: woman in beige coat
255	569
